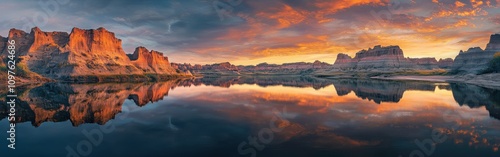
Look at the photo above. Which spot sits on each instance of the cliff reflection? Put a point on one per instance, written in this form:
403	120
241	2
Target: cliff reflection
99	103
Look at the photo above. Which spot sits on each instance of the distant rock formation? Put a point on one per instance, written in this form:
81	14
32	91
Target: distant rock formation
83	103
475	60
445	63
90	52
151	61
378	90
476	97
383	58
225	68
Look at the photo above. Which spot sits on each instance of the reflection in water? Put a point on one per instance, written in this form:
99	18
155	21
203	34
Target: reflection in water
327	117
82	103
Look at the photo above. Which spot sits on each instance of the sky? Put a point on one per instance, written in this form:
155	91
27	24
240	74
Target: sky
248	32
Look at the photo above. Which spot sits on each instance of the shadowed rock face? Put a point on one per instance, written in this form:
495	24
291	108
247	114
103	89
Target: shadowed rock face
378	90
475	60
151	61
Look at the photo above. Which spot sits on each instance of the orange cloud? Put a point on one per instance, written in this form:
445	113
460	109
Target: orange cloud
459	4
286	17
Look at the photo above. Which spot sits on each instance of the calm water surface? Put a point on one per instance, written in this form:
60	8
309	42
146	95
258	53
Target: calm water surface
266	116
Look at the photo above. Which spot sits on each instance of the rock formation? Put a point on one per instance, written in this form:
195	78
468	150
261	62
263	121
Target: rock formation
151	61
92	52
475	60
3	43
388	58
445	63
379	57
225	68
285	68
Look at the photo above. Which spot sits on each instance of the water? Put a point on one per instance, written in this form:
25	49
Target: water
265	116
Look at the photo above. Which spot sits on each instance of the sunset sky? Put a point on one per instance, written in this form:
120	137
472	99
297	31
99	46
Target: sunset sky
273	31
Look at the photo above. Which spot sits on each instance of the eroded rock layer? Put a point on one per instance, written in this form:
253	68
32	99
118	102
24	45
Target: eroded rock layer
91	52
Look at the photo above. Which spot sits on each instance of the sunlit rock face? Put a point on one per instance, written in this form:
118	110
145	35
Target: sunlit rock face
82	53
151	61
475	60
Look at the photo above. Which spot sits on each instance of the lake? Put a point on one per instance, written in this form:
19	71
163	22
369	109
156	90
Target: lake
286	116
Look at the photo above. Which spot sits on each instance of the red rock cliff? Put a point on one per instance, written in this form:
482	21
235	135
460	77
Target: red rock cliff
151	61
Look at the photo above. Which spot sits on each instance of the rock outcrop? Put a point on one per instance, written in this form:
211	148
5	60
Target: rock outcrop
390	57
380	58
425	63
3	43
92	52
475	60
224	68
285	68
445	63
151	61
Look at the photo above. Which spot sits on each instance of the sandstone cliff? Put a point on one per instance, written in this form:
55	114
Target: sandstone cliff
388	58
92	52
151	61
475	60
379	57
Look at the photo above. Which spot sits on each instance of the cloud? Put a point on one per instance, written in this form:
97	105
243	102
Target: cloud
259	29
